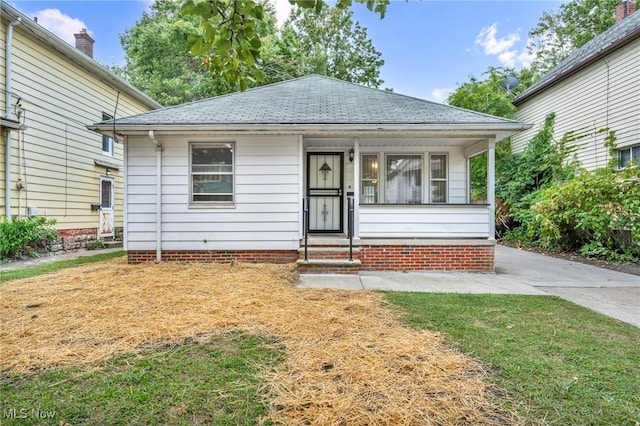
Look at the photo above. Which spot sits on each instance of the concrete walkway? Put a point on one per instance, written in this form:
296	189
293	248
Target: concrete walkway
612	293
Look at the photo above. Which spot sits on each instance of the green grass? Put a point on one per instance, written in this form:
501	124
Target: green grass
560	364
55	266
210	382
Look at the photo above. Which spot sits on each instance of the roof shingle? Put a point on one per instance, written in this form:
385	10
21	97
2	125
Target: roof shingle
311	100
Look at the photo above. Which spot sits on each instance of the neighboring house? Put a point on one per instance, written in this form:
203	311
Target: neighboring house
597	87
51	164
227	178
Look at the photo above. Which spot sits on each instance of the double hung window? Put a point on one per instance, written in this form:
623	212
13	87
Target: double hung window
402	179
107	142
629	156
212	172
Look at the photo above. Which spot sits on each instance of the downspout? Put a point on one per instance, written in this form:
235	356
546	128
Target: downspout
158	196
7	110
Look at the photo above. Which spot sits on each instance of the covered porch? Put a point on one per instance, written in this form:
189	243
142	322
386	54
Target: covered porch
395	204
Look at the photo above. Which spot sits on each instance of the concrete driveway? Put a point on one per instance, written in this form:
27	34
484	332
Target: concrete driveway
612	293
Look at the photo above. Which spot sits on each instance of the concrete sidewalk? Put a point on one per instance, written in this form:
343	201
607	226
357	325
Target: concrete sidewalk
27	263
611	293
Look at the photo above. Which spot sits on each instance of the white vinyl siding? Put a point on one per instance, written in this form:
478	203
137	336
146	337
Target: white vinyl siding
265	214
424	221
604	95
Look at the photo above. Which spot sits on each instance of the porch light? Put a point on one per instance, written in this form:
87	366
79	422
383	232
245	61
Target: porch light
351	152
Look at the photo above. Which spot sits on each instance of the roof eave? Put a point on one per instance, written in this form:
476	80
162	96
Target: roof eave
489	130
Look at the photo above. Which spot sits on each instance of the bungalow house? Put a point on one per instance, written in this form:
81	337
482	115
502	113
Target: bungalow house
301	168
596	87
51	165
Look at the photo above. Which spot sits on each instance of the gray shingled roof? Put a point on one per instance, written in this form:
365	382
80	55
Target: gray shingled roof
310	100
624	31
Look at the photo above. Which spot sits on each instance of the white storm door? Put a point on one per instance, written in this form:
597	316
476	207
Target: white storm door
324	188
106	208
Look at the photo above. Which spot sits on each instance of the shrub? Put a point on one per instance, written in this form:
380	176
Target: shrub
18	234
597	213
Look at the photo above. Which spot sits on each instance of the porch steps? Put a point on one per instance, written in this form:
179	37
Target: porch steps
322	258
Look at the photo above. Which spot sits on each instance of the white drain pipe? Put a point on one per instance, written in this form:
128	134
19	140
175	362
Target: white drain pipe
158	196
7	114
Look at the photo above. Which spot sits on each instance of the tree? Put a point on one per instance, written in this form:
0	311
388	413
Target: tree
488	97
559	33
158	60
228	38
328	42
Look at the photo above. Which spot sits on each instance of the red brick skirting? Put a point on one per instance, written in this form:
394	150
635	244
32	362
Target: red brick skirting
469	258
480	258
220	256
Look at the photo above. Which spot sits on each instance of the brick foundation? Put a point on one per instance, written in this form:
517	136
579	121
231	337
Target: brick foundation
467	258
479	258
221	256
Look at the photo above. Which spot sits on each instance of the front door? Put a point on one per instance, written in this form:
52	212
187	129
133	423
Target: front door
106	208
324	188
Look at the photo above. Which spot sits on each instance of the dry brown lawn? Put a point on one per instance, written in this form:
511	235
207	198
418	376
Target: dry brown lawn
349	359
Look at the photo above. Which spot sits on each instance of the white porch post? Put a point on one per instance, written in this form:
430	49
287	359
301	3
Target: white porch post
491	187
356	188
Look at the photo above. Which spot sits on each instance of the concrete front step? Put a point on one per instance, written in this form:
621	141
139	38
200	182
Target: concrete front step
325	266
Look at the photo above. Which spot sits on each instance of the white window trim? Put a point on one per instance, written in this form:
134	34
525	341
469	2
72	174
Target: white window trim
426	174
631	149
216	204
445	179
111	151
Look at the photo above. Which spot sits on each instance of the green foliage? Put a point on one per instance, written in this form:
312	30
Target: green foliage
328	42
229	39
557	206
95	245
597	213
17	234
488	97
543	163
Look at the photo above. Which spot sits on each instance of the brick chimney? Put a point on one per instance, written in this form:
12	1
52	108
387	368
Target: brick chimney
84	42
624	9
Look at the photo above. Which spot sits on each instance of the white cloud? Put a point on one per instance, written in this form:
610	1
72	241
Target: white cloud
60	24
493	45
283	7
440	94
503	47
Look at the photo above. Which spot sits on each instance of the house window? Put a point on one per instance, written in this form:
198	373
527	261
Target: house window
403	179
369	175
107	142
629	156
212	173
438	178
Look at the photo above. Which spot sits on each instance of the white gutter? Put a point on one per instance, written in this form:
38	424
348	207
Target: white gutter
7	112
158	196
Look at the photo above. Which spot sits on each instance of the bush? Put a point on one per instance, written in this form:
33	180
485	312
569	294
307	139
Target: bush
18	234
597	213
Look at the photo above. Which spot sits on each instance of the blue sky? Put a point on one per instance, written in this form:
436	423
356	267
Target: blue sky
429	47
